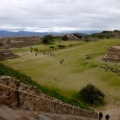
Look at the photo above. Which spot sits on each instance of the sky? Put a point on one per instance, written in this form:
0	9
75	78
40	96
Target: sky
59	15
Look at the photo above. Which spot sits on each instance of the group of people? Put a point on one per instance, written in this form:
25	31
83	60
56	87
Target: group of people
101	116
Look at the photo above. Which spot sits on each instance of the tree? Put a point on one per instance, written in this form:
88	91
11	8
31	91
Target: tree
91	94
47	39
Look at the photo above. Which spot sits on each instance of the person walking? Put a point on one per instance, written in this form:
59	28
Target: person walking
107	117
100	116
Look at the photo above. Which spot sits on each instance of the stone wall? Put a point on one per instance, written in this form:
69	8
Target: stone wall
7	54
15	93
20	41
113	54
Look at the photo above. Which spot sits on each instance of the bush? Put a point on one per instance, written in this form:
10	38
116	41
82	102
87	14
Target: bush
36	49
86	40
61	46
91	94
52	47
47	39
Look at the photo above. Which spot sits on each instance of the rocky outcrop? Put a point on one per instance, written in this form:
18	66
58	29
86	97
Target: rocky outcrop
15	93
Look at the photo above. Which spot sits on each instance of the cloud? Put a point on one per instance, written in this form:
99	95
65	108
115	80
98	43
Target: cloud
59	15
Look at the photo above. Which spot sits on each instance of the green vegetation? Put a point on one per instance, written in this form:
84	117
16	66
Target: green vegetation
91	94
52	47
47	39
4	70
74	73
61	46
104	34
47	47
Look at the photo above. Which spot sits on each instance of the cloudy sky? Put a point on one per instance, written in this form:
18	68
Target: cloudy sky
59	15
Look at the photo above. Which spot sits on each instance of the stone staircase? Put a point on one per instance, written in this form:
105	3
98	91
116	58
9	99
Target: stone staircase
30	101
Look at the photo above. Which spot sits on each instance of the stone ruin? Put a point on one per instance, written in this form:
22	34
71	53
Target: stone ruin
19	41
14	93
7	54
113	54
70	36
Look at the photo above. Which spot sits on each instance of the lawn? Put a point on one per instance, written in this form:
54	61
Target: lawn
43	47
74	73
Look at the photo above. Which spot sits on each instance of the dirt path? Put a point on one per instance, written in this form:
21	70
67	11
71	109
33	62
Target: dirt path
112	109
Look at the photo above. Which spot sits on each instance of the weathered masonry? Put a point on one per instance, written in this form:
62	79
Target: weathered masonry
19	41
113	54
7	54
15	93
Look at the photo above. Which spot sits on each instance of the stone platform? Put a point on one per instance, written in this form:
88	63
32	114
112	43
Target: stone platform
113	54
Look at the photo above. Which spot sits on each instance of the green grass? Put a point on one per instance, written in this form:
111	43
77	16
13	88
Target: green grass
68	78
46	47
4	70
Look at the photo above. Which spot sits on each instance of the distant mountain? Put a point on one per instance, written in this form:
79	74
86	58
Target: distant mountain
24	33
91	31
4	33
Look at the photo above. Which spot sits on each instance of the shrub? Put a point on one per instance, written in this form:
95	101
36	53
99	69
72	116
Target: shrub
61	46
52	47
91	94
36	49
86	40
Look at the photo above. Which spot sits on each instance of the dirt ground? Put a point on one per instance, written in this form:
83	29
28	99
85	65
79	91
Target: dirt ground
112	108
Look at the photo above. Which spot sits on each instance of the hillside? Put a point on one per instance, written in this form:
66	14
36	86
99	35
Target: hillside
4	33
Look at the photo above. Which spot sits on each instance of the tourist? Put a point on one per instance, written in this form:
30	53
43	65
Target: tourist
107	117
106	60
106	69
100	116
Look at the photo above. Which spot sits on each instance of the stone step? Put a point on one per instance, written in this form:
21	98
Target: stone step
19	114
1	118
7	109
44	117
5	113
